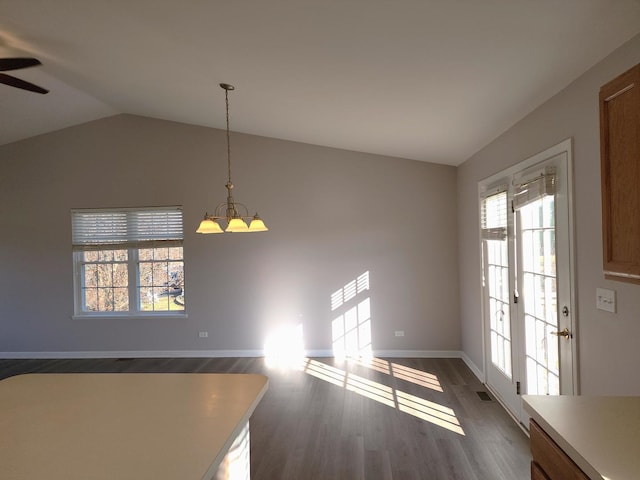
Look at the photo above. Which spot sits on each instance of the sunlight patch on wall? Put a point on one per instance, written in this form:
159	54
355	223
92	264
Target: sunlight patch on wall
284	348
350	290
351	328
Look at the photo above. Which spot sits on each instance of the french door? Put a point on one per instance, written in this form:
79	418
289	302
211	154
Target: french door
528	299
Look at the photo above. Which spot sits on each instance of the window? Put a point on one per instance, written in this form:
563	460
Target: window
128	261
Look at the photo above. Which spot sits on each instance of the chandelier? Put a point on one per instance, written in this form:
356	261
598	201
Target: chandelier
234	214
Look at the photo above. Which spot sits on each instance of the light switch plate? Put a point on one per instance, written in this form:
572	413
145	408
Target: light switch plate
606	300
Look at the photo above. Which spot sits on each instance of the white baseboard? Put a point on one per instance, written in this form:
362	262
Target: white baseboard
319	353
418	353
473	367
397	353
134	354
223	353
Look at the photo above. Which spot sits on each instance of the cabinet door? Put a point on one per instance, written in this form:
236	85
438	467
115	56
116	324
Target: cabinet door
620	170
537	473
550	458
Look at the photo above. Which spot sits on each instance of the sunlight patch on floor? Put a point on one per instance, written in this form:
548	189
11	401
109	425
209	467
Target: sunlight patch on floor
370	389
416	406
418	377
429	411
326	372
373	363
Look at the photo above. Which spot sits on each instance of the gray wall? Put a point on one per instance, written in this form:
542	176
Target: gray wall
333	215
608	351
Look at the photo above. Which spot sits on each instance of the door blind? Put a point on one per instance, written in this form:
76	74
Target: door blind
534	187
494	216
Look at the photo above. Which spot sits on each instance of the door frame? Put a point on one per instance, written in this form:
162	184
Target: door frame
485	185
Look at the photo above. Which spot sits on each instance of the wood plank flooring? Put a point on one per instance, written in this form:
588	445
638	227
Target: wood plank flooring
393	419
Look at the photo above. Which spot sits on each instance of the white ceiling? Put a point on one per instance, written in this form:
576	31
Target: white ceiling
432	80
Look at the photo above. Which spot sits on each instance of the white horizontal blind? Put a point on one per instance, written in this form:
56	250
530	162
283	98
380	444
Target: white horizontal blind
535	187
126	227
494	216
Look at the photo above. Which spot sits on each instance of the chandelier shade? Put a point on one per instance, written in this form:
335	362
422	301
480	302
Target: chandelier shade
209	226
234	214
257	225
237	225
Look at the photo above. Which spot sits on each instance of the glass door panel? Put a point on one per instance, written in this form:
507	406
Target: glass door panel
539	296
498	293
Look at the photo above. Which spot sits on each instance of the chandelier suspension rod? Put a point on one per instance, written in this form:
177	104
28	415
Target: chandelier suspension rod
228	87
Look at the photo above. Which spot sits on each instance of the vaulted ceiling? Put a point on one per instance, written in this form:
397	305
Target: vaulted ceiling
431	80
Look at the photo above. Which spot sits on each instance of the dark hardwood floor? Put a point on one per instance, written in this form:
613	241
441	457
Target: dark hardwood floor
400	419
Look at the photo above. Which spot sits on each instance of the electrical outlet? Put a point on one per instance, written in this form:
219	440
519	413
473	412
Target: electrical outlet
399	333
606	300
203	334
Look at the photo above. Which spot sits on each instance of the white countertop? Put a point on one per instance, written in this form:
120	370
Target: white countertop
600	434
122	426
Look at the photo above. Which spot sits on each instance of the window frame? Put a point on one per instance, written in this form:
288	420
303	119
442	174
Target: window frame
133	268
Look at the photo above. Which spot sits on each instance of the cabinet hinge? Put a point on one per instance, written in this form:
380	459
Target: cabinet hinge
517	388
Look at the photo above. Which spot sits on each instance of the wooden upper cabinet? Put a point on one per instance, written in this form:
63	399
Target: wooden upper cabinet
620	170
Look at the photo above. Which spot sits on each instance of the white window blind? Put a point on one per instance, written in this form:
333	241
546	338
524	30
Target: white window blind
126	227
534	187
494	216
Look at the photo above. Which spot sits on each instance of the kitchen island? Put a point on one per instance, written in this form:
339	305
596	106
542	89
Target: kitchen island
127	426
601	435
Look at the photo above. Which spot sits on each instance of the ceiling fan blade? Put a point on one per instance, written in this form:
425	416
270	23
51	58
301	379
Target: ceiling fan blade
16	82
16	63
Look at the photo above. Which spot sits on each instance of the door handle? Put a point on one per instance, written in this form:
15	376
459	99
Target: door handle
563	333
